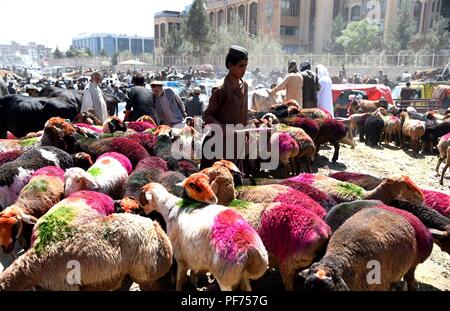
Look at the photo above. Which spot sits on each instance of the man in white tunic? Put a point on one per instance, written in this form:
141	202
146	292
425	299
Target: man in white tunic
325	95
93	100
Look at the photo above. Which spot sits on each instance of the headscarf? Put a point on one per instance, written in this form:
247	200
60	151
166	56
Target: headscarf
322	71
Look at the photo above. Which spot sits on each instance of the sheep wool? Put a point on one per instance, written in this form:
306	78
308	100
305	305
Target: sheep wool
62	220
9	156
438	201
140	126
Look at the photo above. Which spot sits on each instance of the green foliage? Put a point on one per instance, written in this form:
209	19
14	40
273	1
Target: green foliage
224	37
360	37
401	34
174	43
88	52
55	227
438	37
339	25
114	60
103	53
349	189
240	204
57	53
196	28
40	185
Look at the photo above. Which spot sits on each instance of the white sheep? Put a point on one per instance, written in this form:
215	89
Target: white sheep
107	175
105	251
212	238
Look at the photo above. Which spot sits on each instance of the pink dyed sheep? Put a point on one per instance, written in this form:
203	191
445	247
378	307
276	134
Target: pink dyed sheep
212	238
288	151
107	175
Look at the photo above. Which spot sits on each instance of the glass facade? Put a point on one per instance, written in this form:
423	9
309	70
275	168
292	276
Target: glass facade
112	44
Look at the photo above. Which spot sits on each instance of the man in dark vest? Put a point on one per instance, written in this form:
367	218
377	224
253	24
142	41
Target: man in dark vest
310	86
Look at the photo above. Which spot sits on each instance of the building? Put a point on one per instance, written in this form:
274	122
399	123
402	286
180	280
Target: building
112	43
164	23
32	50
305	25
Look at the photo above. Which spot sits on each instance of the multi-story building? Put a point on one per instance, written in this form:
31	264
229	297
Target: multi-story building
112	43
164	23
33	50
305	25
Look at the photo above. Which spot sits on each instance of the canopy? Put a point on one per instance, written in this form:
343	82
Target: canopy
373	91
132	62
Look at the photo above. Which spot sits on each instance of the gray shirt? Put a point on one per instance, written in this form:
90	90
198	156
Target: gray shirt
169	108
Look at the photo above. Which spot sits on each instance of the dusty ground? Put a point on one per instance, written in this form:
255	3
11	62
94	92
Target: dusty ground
433	274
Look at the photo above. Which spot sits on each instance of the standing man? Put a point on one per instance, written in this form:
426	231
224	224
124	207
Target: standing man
293	84
406	94
93	99
310	86
139	100
194	105
169	108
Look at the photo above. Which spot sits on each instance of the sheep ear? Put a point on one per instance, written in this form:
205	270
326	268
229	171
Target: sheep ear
181	184
341	285
439	235
300	279
28	219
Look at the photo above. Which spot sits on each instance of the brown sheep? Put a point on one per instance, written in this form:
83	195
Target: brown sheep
373	235
414	129
444	155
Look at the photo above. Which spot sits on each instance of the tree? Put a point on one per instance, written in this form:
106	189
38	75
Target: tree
438	37
57	53
174	43
401	34
114	60
196	28
103	53
360	37
339	25
88	52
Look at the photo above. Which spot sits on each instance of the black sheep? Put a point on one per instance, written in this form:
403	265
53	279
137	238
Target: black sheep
373	128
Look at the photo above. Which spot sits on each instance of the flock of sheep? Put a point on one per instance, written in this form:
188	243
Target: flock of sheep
114	199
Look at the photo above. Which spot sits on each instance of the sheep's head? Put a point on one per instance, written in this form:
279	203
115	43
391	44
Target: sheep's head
77	179
88	118
12	224
127	205
58	127
146	118
404	188
292	103
321	278
228	165
197	188
82	160
442	238
114	124
149	195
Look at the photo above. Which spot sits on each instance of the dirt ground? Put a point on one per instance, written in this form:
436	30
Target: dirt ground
433	274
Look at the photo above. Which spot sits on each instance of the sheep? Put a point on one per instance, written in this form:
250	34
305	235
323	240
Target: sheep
140	126
390	189
332	131
87	118
113	124
306	146
63	218
279	194
107	175
9	156
368	182
146	118
310	126
92	130
438	201
288	151
372	234
125	245
82	160
45	189
444	155
373	128
433	131
23	144
15	175
68	140
213	238
413	129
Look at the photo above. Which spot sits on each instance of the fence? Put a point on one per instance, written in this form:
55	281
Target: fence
270	62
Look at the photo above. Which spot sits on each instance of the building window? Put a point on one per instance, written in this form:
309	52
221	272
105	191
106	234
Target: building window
399	4
242	21
336	8
156	36
162	29
417	15
211	18
253	18
288	31
290	7
220	18
356	13
346	12
230	16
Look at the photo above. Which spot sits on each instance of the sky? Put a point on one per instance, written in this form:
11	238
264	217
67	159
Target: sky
54	23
